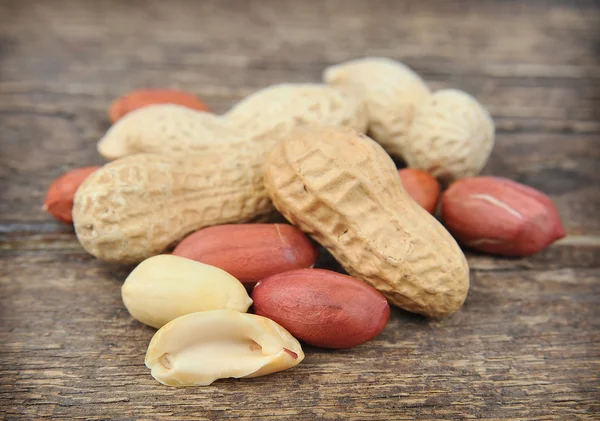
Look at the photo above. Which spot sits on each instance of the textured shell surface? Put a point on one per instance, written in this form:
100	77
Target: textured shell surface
138	206
343	189
166	128
452	136
391	92
278	109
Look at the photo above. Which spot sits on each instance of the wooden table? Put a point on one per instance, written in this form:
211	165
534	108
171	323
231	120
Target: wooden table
526	345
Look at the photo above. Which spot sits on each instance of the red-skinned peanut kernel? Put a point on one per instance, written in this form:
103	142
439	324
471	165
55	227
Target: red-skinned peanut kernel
250	252
500	216
322	308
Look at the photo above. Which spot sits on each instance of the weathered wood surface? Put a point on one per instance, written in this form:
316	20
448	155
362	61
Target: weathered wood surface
526	345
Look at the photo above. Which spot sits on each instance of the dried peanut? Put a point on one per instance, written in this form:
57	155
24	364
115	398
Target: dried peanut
167	129
391	92
199	348
59	199
140	205
250	252
500	216
276	110
144	97
343	189
165	287
451	136
322	308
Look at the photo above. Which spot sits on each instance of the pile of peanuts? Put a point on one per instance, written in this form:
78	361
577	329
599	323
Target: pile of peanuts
189	195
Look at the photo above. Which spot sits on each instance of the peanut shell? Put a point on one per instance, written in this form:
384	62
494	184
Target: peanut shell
391	92
274	111
166	129
141	205
343	189
451	137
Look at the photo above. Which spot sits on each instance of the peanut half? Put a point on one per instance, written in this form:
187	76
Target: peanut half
500	216
165	287
166	129
451	136
199	348
250	252
343	189
140	205
391	92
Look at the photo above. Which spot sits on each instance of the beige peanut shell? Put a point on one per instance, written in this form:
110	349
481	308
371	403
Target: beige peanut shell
276	110
140	205
451	137
391	92
166	128
343	189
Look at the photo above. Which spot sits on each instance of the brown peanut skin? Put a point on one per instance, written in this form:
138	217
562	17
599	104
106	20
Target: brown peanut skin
250	252
143	97
322	308
500	216
59	199
422	187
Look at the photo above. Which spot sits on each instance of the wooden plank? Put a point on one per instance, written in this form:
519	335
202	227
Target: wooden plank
520	348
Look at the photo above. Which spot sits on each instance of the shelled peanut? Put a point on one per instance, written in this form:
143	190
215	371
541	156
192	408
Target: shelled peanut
250	252
422	187
165	287
322	308
61	193
500	216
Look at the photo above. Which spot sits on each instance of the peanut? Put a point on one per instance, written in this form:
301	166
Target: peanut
59	199
500	216
275	111
258	120
343	189
199	348
165	287
422	187
141	205
451	136
144	97
322	308
391	92
250	252
167	129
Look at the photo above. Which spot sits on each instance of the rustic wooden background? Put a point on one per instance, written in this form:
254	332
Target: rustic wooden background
526	345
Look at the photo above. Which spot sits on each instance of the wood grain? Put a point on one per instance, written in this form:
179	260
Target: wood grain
526	345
